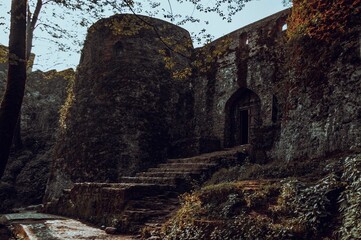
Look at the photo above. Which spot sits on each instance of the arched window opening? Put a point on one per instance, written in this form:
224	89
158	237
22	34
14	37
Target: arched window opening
284	27
243	40
118	49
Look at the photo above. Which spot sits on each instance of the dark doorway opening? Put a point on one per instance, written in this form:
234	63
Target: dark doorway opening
244	128
242	118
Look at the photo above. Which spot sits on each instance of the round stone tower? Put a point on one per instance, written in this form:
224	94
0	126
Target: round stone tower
124	107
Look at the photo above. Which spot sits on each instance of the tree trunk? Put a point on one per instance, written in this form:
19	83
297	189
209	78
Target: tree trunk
30	27
14	93
17	141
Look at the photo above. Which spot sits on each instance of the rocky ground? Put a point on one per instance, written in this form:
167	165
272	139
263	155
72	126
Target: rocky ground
32	225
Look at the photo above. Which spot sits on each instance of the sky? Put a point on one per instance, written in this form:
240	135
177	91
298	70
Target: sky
48	55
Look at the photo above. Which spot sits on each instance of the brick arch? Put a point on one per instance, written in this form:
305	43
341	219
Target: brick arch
242	118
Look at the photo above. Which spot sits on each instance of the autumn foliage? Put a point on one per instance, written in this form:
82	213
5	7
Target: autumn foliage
322	19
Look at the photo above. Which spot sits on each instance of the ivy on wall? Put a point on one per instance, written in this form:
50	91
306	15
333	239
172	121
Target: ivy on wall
322	19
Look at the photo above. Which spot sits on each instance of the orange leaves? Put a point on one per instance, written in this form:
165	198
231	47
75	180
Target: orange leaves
322	19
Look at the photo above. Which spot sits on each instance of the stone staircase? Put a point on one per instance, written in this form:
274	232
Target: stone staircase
150	212
147	199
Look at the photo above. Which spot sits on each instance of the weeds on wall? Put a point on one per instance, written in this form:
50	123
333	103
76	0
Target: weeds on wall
3	54
202	62
64	110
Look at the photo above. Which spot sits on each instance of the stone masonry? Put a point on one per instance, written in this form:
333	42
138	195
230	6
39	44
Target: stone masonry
128	114
123	85
28	169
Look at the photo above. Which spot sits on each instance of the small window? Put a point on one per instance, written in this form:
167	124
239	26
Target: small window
284	27
243	40
118	49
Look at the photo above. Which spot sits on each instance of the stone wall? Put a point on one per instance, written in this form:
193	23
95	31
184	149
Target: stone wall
322	110
127	108
251	63
308	92
28	169
287	100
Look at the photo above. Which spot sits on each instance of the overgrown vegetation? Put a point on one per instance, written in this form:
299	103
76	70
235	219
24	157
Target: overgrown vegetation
4	51
202	62
322	19
290	208
350	199
329	23
276	170
64	111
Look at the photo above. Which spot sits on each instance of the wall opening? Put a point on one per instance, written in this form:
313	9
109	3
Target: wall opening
118	49
243	40
274	109
281	26
242	118
244	127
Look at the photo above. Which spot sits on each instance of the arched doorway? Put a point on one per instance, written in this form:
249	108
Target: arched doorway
242	118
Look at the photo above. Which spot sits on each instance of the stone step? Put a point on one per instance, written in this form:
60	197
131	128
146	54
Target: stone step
193	160
129	189
154	225
168	195
144	213
164	181
154	204
169	174
154	207
160	219
176	169
172	197
147	199
133	220
193	166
